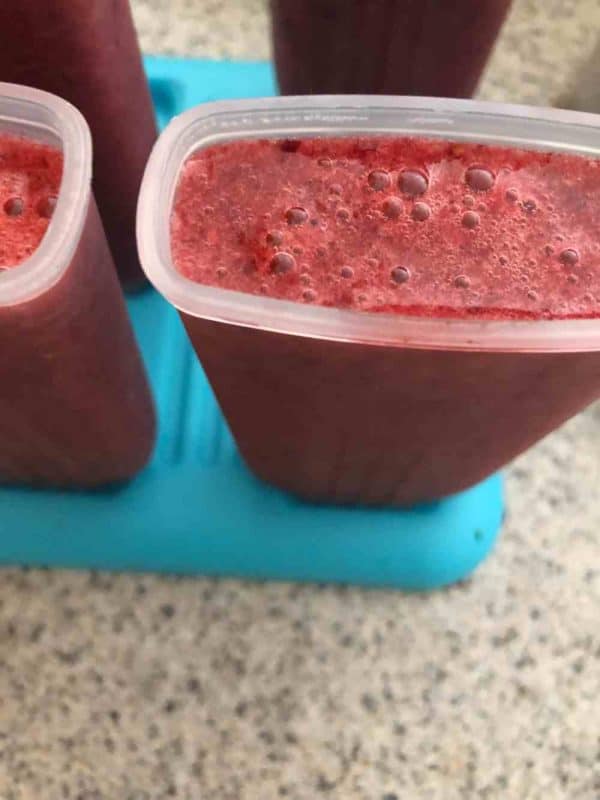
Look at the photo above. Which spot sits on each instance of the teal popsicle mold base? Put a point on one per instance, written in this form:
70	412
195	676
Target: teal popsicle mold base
196	508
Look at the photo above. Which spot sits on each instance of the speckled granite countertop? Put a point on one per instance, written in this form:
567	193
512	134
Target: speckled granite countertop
142	687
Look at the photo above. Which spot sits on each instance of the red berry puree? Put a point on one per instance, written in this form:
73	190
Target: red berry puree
407	225
30	175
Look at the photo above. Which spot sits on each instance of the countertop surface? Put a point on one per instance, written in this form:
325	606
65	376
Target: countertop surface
143	687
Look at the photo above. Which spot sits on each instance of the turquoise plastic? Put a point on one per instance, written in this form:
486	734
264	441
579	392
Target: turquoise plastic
196	508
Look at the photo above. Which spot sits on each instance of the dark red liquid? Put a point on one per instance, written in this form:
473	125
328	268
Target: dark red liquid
419	47
412	226
390	425
362	424
86	51
75	406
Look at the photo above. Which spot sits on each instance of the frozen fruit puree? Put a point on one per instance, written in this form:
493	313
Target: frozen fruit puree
86	51
408	225
414	226
30	175
75	406
430	48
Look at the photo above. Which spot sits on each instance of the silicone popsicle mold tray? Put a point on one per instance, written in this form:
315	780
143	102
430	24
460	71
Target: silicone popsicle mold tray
196	508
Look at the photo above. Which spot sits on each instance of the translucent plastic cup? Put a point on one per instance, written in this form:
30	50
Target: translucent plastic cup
87	52
346	406
420	47
75	406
